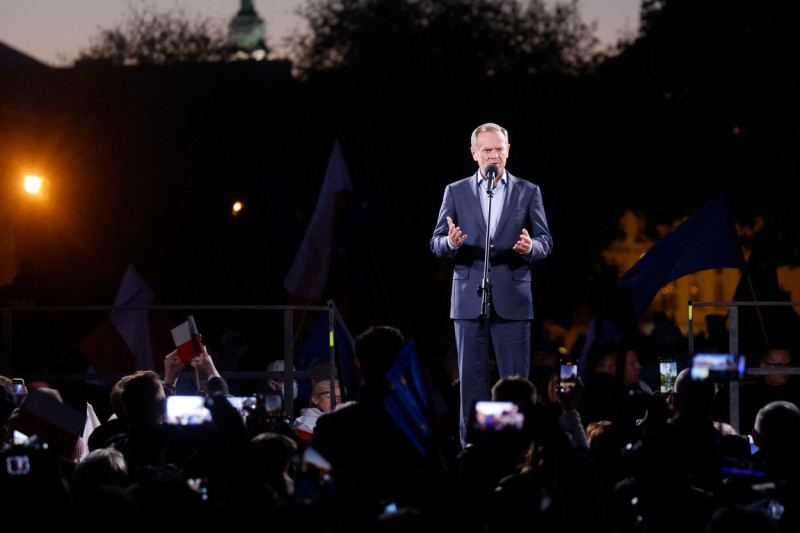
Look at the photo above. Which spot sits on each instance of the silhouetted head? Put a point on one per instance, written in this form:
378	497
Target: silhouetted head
143	397
693	396
376	350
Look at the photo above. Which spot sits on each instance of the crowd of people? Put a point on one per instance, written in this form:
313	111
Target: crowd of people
608	455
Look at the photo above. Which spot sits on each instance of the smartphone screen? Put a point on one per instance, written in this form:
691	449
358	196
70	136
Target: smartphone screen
718	366
568	376
668	370
498	416
19	385
186	410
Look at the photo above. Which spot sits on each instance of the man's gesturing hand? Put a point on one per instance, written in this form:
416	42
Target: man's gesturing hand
455	236
523	244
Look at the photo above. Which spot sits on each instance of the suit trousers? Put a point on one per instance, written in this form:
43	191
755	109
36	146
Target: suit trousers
511	346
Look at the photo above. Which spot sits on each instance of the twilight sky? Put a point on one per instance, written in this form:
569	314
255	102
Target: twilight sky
53	31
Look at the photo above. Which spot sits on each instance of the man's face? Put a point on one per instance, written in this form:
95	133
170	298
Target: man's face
491	148
322	400
632	368
776	359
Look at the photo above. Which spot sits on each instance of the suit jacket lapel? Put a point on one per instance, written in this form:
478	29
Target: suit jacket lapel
508	204
476	209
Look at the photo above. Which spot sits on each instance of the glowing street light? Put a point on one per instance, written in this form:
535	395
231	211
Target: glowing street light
33	184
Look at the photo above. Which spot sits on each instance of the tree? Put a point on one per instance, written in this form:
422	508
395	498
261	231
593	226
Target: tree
390	38
149	37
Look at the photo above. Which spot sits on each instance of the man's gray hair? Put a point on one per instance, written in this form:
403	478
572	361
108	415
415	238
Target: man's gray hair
489	126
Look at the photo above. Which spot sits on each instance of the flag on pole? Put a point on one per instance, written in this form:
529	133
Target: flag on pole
707	239
407	401
127	339
309	271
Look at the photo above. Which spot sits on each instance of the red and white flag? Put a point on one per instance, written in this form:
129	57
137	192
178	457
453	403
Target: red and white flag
187	340
309	271
129	339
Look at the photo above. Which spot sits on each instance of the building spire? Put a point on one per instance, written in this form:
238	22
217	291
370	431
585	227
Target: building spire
247	34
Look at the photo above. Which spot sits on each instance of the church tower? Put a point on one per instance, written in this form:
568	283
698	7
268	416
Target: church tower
246	34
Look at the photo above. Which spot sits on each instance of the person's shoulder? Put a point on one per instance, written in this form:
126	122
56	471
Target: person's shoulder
107	432
516	180
301	424
342	414
600	380
341	423
643	387
463	182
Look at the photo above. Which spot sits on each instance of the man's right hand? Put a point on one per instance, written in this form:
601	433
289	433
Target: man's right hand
455	235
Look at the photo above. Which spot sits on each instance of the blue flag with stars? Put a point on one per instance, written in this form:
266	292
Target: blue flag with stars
407	401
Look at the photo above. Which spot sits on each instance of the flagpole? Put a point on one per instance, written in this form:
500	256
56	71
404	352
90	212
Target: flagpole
758	309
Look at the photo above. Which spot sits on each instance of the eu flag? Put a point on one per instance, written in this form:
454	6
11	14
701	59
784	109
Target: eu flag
407	401
707	239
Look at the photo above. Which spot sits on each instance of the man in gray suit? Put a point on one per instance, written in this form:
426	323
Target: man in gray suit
519	235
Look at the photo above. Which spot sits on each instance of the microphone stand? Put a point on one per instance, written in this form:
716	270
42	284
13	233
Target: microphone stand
485	288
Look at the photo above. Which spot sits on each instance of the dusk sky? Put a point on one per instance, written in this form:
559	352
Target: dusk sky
53	31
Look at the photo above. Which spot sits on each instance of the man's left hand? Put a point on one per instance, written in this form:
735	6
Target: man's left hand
523	245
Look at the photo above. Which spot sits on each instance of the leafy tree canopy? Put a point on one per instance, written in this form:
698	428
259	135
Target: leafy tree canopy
150	37
448	37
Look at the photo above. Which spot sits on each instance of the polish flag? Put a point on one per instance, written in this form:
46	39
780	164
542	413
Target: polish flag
187	340
129	339
309	272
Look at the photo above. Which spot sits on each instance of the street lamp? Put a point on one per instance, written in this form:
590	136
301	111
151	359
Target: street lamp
33	184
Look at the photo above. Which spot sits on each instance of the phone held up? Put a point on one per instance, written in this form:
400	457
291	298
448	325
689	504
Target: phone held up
567	376
19	386
718	366
190	410
497	416
668	371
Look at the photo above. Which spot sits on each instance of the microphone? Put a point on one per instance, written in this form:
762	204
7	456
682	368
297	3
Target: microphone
491	175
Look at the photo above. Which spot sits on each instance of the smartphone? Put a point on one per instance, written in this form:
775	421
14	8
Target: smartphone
186	410
567	377
668	370
497	416
718	366
19	385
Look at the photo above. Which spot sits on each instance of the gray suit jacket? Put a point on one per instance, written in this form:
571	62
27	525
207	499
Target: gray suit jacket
510	271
